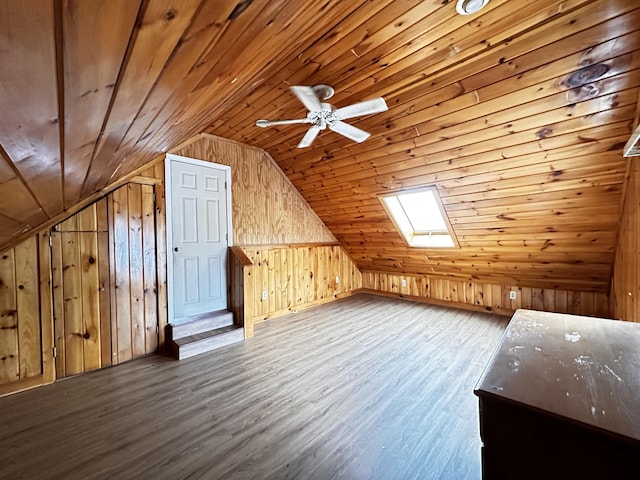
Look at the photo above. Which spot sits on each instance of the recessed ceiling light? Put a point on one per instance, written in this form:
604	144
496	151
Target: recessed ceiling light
469	7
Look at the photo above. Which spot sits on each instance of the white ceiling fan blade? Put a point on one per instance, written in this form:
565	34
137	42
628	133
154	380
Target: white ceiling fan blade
349	131
309	137
270	123
308	98
375	105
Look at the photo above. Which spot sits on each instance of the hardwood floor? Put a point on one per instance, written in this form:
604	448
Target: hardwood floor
362	388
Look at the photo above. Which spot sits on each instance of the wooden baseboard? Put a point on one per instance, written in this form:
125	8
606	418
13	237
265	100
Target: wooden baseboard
24	384
445	303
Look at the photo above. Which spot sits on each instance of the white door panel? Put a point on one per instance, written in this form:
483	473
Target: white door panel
199	209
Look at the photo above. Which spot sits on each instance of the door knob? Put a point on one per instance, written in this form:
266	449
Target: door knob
176	249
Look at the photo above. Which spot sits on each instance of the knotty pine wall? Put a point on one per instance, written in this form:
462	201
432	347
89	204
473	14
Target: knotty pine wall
625	285
250	164
267	208
105	282
81	291
486	296
286	249
103	305
295	277
26	322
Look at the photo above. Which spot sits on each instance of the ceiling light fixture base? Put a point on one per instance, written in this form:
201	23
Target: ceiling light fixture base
469	7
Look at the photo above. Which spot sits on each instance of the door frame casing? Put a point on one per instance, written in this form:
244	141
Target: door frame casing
169	158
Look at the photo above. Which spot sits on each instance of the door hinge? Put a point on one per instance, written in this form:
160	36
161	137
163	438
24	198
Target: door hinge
55	352
50	240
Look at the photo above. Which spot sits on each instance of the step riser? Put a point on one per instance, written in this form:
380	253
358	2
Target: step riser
200	326
209	344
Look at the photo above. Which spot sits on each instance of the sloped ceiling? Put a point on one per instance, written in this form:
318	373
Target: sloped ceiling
525	152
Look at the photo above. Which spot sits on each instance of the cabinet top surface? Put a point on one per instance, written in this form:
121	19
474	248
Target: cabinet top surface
585	369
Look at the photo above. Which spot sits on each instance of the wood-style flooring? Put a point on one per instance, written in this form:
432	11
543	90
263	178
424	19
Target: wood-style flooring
362	388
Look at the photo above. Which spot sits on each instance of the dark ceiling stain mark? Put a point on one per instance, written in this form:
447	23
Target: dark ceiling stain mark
586	75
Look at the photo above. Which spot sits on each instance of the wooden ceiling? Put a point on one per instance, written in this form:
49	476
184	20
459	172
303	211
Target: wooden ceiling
528	163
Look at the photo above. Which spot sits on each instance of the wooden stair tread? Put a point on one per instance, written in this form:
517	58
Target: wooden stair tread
205	335
202	334
201	324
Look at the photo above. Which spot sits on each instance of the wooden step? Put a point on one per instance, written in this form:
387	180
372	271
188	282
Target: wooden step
206	341
200	324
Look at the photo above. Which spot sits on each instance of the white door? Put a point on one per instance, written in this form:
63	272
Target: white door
200	228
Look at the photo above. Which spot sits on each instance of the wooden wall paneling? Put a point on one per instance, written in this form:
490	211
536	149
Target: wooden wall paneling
122	288
57	269
300	276
9	362
161	252
549	300
89	288
560	301
284	280
588	302
292	285
26	317
257	185
494	91
319	276
523	297
236	288
46	306
80	259
134	306
496	293
273	281
603	306
485	296
250	295
573	302
241	289
625	282
149	269
72	299
259	269
104	281
136	270
310	274
113	298
537	299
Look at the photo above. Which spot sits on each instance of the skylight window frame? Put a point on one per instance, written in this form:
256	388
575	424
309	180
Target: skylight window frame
409	236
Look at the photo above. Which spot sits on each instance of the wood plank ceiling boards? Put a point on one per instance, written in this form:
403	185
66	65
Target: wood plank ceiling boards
516	114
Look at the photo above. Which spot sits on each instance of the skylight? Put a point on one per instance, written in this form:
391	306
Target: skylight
419	216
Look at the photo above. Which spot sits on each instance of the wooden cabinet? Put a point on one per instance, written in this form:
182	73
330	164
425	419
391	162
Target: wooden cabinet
560	398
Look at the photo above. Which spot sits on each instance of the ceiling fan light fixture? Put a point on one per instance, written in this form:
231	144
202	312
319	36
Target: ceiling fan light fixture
323	92
469	7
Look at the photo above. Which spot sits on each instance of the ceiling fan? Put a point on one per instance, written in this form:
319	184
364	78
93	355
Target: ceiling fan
322	115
